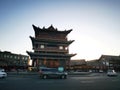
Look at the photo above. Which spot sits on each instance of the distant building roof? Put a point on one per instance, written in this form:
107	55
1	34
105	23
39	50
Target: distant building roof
8	52
50	29
78	62
109	57
93	62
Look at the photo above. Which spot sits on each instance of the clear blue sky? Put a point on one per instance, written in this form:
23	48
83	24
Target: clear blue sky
95	24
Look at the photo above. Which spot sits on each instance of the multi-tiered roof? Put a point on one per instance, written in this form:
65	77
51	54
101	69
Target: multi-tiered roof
50	43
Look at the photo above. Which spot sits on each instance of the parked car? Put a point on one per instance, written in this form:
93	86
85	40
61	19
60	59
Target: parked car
3	74
101	71
111	73
52	73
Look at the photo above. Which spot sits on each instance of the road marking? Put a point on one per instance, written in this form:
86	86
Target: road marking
87	81
115	80
2	81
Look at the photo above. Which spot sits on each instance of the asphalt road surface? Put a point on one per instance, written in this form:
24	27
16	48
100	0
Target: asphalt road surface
73	82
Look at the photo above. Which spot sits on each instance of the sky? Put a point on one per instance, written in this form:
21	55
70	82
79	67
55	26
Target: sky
95	24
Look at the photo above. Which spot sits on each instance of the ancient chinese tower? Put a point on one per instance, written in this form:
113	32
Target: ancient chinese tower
50	47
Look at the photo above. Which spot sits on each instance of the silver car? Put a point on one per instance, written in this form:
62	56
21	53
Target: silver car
3	74
52	73
111	73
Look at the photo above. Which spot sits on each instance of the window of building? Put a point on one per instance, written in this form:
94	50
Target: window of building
18	57
104	63
23	58
26	58
60	47
42	46
66	48
11	56
107	63
5	56
15	57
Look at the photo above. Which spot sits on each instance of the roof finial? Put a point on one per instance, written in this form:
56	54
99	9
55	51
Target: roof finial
51	27
44	27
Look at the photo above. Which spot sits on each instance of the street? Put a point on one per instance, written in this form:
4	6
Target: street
95	81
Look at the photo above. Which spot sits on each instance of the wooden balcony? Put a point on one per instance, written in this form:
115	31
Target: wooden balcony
50	49
53	38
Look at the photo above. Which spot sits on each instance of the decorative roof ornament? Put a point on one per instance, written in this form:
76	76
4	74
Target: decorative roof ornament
51	28
34	27
44	27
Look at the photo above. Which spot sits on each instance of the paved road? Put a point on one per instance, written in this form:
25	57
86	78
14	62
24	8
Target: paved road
74	82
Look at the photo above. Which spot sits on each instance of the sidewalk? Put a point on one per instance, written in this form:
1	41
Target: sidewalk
79	73
22	73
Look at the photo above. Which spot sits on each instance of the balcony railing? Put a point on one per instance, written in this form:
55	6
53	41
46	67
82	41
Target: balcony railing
50	49
53	38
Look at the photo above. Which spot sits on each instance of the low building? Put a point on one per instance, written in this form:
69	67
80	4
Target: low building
10	60
104	63
78	65
93	65
109	62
